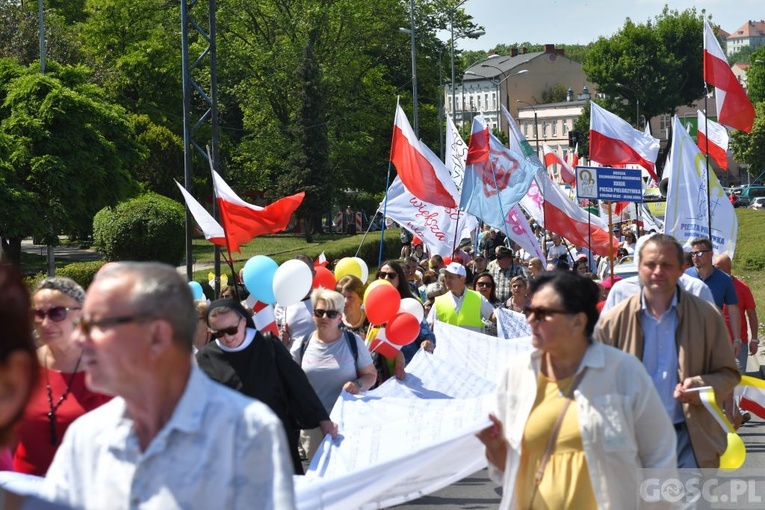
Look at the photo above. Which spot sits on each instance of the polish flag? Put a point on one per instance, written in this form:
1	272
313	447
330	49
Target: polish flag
573	157
426	177
211	229
716	144
614	142
263	315
551	158
321	261
734	109
243	221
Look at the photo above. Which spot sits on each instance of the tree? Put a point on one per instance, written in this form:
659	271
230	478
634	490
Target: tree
66	153
742	55
658	63
755	76
555	94
749	148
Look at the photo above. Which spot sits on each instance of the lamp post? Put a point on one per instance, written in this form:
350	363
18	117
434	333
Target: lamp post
410	31
536	123
499	91
473	35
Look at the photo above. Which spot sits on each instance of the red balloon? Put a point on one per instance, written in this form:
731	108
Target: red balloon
382	303
386	349
402	329
447	260
324	278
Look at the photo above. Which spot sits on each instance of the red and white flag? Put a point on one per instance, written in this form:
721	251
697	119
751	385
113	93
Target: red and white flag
321	261
263	315
243	222
614	142
427	178
715	142
734	109
572	158
552	158
211	229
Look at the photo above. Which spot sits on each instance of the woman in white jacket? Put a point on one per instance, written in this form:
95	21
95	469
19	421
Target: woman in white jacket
576	420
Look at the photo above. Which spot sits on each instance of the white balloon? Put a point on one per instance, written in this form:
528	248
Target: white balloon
292	282
364	269
411	305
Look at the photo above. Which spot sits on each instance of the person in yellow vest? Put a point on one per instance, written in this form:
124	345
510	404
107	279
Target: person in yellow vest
460	306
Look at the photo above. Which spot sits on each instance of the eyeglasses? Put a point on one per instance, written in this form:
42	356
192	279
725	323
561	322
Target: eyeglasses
332	314
86	326
542	314
56	314
483	284
230	331
386	276
699	253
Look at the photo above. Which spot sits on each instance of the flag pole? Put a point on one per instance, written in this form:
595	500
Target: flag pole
706	155
369	227
229	258
387	183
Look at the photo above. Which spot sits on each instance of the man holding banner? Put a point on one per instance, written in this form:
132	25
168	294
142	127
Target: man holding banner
683	343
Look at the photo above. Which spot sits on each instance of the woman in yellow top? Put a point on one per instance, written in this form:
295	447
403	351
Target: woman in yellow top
576	420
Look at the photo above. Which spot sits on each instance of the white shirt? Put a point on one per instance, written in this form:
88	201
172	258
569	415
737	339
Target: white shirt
621	420
486	310
299	318
631	286
219	449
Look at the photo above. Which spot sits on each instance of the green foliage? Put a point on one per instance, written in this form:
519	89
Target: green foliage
755	76
750	254
658	64
582	124
148	227
742	55
555	94
165	156
749	148
81	272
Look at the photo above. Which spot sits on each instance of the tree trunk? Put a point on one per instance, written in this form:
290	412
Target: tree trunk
12	250
307	230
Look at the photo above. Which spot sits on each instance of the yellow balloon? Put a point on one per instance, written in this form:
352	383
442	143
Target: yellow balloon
374	284
735	454
347	266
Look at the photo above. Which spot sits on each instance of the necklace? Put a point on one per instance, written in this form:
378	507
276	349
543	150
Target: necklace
54	407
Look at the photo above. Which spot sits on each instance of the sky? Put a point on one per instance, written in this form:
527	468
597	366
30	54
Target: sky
583	21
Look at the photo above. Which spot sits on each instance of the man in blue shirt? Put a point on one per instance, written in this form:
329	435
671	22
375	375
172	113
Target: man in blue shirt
718	282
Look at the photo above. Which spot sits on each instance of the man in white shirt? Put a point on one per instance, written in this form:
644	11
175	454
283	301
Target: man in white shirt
171	438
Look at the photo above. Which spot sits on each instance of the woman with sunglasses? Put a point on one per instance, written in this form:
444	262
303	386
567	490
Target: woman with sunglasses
333	359
392	271
485	286
61	396
260	366
574	410
519	298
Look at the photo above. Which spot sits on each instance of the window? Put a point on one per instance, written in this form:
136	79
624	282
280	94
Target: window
565	128
555	128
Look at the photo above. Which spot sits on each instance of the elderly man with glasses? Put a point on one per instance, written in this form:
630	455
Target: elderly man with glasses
171	437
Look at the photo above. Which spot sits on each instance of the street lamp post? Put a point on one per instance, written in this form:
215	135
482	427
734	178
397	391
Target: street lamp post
499	90
473	35
536	123
410	31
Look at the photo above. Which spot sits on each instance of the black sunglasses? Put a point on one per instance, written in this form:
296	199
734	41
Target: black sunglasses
386	276
483	284
230	331
56	314
332	314
542	314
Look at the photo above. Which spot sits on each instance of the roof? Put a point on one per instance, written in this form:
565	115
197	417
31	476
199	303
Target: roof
749	29
493	66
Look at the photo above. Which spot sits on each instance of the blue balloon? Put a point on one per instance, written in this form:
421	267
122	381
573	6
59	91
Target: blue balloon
196	290
258	276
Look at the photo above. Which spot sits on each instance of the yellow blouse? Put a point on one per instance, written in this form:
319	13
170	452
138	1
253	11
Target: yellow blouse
566	481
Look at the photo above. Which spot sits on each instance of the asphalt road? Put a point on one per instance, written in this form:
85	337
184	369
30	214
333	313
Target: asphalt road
478	492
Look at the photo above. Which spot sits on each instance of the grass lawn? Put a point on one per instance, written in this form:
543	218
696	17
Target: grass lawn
749	260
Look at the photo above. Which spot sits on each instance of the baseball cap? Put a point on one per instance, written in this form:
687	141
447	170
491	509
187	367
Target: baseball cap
455	268
609	282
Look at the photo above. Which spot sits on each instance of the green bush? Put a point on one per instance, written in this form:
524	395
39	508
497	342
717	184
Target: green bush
81	272
149	227
749	253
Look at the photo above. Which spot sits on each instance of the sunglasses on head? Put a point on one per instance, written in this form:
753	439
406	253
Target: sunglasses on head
56	314
332	314
386	275
230	331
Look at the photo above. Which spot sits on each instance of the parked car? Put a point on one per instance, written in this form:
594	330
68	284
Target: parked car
750	193
758	203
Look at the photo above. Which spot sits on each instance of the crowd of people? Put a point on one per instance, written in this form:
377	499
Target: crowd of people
121	389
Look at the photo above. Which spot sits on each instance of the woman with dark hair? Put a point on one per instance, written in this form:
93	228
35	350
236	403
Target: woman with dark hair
484	285
61	395
616	426
394	273
259	366
19	371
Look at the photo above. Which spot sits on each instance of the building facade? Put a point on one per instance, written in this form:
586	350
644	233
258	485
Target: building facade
751	34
